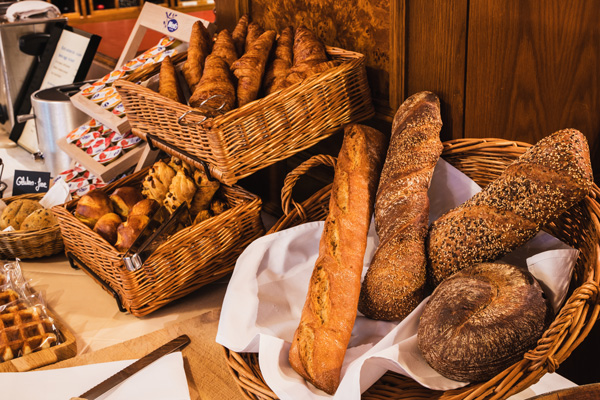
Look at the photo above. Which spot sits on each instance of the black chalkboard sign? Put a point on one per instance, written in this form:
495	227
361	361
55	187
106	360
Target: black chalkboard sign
30	182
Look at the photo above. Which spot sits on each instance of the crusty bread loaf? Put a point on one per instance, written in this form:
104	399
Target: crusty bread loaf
546	180
395	281
320	341
481	320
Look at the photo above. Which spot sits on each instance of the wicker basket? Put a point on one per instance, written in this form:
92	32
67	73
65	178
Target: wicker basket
244	140
482	160
191	258
30	244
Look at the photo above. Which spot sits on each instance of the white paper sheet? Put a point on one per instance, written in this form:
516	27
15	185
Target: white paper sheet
163	379
267	290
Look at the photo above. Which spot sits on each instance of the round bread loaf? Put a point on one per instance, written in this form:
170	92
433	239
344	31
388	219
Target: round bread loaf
15	213
39	219
481	320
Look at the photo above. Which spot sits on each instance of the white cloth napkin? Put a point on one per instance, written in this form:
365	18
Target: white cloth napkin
163	379
31	9
267	290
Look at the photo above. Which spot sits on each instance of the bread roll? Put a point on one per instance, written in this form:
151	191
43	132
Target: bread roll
546	180
319	344
481	320
92	206
129	230
124	198
395	281
39	219
16	211
250	68
107	227
145	207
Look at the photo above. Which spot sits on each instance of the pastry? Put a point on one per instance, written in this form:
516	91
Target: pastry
224	47
181	190
167	81
107	227
156	184
124	198
239	34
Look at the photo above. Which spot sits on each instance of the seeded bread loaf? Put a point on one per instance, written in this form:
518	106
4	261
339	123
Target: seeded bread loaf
320	341
481	320
546	180
395	281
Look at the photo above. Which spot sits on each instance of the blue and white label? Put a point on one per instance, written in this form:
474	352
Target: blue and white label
170	22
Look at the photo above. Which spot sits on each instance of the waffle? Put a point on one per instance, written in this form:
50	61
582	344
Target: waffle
23	329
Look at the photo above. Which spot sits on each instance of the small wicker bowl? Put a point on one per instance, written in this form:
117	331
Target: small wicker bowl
482	160
30	244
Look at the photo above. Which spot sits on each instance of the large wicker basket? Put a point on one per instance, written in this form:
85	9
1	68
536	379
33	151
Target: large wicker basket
191	258
30	244
244	140
482	160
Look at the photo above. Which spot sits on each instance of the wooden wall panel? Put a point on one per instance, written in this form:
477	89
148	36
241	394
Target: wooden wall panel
436	40
362	26
533	69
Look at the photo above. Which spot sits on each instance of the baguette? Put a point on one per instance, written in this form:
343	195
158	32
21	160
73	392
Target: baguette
546	180
395	281
320	341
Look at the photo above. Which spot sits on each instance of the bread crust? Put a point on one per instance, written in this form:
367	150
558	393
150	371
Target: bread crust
549	178
395	281
481	320
319	344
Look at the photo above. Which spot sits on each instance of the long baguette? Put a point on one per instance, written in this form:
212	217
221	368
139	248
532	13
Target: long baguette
395	281
546	180
320	341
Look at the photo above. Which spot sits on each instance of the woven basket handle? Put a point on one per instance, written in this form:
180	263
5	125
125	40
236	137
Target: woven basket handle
290	180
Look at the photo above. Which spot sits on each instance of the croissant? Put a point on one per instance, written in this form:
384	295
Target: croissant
224	47
239	35
250	68
309	52
167	81
215	81
279	67
254	32
199	48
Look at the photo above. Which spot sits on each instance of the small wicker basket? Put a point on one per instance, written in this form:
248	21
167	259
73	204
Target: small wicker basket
240	142
191	258
30	244
482	160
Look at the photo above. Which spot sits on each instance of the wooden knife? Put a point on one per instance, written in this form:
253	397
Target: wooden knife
103	387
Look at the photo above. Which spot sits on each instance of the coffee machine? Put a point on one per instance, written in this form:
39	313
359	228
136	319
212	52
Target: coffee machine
16	65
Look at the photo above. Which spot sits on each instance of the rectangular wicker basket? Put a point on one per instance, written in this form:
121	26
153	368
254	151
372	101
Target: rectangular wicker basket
30	244
240	142
191	258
